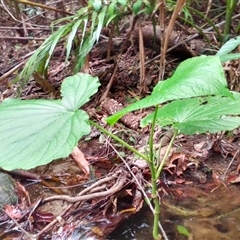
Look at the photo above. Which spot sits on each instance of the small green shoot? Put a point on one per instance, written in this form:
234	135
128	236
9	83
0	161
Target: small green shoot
182	230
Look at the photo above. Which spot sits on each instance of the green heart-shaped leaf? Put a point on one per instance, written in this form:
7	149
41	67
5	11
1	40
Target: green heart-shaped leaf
199	115
34	132
198	76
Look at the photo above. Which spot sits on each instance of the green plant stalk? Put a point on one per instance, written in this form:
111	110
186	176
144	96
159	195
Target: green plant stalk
159	170
151	143
156	202
150	160
155	172
154	179
231	4
152	167
119	140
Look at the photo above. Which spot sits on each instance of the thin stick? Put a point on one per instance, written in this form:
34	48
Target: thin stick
115	188
225	173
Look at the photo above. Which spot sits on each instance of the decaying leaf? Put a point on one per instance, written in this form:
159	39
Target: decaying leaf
81	161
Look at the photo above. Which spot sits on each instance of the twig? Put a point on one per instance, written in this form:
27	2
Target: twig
229	165
49	226
99	182
22	38
34	176
6	9
12	70
188	39
43	28
142	82
166	36
115	188
31	237
105	94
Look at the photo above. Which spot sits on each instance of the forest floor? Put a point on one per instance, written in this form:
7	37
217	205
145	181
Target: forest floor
204	162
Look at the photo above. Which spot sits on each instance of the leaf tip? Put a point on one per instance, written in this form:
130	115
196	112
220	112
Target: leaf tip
113	119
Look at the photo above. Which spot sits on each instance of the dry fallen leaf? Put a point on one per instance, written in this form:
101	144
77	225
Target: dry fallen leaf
81	161
13	211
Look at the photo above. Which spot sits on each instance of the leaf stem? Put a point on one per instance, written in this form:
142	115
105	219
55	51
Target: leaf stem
159	170
119	140
151	140
231	5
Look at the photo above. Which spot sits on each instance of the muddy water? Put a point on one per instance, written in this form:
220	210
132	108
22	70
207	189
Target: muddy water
206	215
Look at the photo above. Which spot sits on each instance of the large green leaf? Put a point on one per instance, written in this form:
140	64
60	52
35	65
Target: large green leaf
77	90
198	76
199	115
34	132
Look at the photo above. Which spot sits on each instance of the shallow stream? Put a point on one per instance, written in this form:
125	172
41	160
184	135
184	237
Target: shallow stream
206	216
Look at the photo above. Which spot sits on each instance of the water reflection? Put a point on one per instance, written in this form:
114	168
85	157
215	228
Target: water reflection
206	215
135	228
